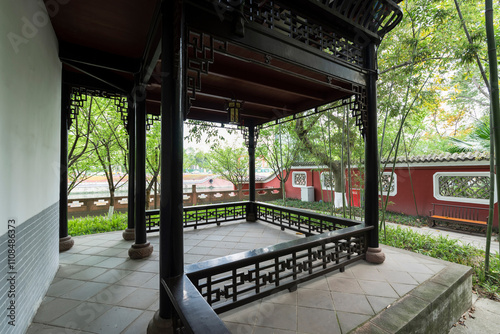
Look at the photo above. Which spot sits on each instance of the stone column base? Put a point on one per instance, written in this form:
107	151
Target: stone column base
129	234
158	325
375	255
140	251
65	243
251	217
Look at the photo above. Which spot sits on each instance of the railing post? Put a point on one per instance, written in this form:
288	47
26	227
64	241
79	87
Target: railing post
374	253
141	248
194	196
129	233
65	241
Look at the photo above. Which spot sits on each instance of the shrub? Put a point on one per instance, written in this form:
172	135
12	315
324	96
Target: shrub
97	224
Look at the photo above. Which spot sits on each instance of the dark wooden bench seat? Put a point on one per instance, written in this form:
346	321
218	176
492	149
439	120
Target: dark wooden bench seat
458	214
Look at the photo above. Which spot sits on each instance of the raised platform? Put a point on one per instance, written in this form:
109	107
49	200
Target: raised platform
98	289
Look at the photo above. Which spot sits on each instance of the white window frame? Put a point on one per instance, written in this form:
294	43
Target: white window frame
435	183
394	192
293	180
323	181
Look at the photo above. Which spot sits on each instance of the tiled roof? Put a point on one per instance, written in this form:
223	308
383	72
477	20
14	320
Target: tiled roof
444	157
430	158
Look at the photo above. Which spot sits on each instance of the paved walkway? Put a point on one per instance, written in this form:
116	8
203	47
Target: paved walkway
98	289
484	316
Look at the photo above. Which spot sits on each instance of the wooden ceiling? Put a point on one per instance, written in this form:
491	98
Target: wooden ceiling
107	45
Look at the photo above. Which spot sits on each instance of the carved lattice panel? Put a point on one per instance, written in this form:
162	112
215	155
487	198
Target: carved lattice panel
300	179
201	53
327	180
79	96
291	24
475	187
358	108
388	187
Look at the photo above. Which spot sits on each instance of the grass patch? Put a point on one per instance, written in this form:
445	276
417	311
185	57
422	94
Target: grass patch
97	224
325	208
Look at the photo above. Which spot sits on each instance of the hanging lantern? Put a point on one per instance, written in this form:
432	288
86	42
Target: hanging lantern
234	108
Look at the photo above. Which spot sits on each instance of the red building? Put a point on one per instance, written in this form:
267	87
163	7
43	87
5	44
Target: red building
450	179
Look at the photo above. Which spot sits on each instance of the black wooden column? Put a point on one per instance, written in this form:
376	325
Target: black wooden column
65	241
172	122
129	233
141	248
374	253
251	208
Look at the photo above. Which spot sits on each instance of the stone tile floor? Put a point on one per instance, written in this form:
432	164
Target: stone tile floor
98	289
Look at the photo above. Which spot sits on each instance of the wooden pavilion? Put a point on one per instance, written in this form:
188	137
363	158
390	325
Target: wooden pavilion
240	62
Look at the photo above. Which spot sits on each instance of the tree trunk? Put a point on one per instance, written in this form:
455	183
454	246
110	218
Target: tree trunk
339	196
111	202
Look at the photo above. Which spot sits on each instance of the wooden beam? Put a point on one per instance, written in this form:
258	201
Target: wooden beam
109	78
78	54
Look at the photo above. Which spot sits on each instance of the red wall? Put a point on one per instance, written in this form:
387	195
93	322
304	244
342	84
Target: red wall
422	180
403	201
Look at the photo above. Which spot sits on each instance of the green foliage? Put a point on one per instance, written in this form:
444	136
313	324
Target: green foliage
477	140
230	162
97	224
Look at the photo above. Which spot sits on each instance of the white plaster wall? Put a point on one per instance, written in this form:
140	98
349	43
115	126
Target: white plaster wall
30	107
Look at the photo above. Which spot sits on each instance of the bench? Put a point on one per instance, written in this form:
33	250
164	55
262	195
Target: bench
458	214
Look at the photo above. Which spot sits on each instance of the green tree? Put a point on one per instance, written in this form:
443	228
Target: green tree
331	139
153	161
109	140
230	163
279	146
477	140
80	164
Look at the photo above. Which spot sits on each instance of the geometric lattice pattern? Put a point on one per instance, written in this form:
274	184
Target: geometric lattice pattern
242	281
475	187
387	185
327	180
358	108
79	97
300	179
291	24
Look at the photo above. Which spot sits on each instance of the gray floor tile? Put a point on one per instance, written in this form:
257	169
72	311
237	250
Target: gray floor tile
403	289
136	279
111	262
349	321
341	284
85	291
88	274
53	309
113	295
63	286
374	288
112	276
237	328
314	298
140	299
380	303
281	316
114	321
81	316
140	325
317	321
356	303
